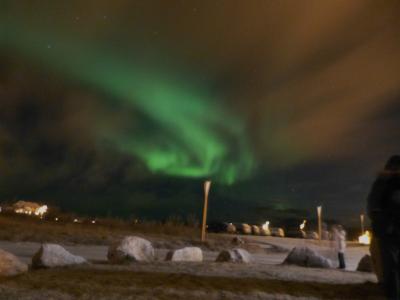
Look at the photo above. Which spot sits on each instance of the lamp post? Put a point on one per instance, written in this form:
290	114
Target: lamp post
362	223
207	185
319	212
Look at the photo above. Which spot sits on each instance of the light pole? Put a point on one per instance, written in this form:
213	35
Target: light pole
319	212
362	223
207	185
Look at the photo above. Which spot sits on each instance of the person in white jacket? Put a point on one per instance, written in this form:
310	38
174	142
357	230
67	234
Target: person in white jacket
339	239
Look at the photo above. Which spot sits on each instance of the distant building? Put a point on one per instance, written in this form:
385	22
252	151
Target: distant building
29	208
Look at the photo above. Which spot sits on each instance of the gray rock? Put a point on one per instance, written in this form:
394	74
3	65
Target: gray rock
235	256
131	248
306	257
365	264
237	241
10	265
53	255
185	254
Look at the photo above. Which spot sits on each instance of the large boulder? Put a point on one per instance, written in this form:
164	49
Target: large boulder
312	235
10	265
230	228
365	264
131	248
53	255
276	231
265	231
245	228
255	230
185	254
306	257
235	256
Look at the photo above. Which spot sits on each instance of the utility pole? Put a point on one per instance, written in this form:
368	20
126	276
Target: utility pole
362	223
319	212
207	185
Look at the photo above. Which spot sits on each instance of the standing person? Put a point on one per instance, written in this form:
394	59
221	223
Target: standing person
339	238
384	211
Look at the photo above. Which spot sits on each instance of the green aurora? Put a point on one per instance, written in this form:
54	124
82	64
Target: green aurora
193	137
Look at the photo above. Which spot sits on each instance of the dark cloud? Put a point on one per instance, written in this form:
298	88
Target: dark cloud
316	83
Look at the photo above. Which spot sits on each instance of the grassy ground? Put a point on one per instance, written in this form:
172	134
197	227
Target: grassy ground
15	227
96	284
169	235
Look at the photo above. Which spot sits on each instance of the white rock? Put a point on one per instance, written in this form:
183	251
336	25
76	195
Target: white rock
53	255
235	256
306	257
186	254
131	248
10	265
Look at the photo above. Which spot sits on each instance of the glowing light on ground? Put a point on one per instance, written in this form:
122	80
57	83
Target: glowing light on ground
365	239
303	225
41	210
266	226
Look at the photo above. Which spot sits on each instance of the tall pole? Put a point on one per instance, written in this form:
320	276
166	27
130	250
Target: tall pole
207	185
362	223
319	212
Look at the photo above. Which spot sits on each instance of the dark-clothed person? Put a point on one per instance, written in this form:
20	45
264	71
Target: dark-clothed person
384	212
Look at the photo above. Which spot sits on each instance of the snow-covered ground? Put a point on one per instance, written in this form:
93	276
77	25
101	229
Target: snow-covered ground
266	264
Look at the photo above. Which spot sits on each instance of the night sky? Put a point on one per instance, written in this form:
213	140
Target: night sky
123	108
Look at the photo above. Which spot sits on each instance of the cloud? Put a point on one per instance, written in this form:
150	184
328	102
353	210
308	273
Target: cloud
308	84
